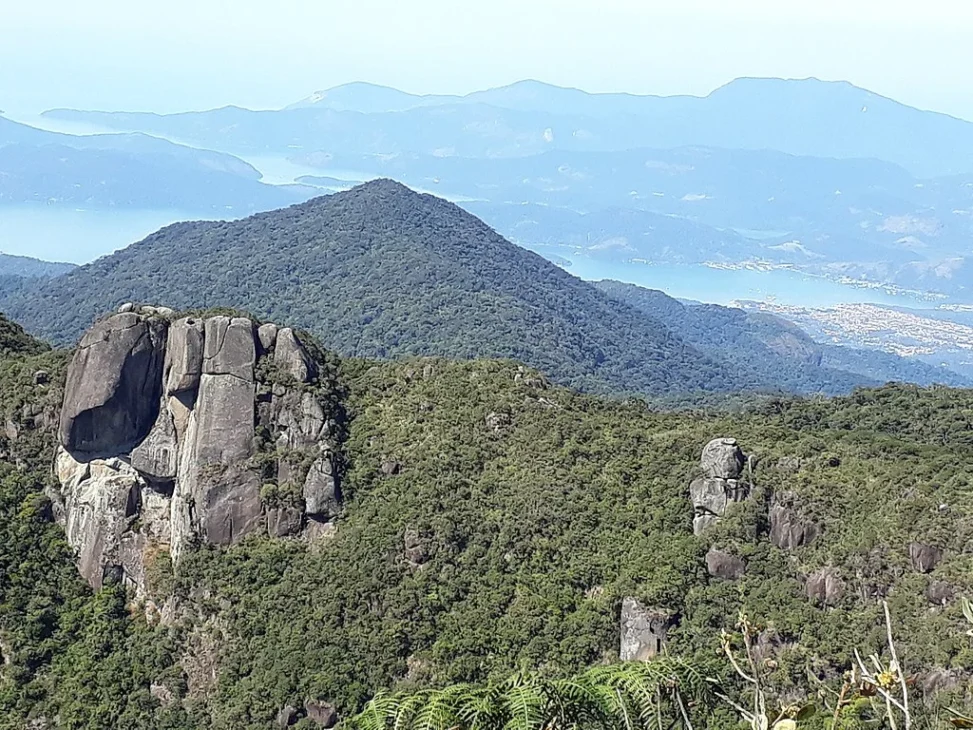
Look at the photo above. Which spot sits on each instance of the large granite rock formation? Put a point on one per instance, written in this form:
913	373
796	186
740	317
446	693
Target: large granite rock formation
167	436
722	462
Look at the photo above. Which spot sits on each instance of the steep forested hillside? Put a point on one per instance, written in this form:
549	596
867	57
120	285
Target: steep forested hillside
381	271
772	348
493	522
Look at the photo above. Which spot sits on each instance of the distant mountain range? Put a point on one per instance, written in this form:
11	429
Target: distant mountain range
822	176
382	271
117	171
800	117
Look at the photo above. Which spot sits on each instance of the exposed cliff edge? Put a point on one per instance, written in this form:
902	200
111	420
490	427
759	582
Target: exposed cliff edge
177	431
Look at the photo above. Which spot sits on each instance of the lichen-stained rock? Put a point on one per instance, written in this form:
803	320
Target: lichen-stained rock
292	358
299	420
184	356
924	558
643	631
321	496
788	528
722	459
113	385
101	500
825	587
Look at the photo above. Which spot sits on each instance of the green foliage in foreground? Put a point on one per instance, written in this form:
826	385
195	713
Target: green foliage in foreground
657	694
537	510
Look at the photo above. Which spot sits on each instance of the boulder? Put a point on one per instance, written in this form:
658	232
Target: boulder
940	680
111	396
126	308
924	558
184	356
825	587
321	496
292	358
722	459
788	529
939	593
267	336
287	716
710	498
321	713
720	564
643	631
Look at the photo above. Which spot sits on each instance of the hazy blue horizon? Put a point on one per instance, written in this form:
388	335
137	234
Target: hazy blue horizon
183	55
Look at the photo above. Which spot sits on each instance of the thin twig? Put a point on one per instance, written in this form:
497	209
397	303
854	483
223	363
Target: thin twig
682	710
898	667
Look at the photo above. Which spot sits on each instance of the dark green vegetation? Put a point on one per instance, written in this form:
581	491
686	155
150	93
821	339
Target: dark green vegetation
776	350
492	523
380	271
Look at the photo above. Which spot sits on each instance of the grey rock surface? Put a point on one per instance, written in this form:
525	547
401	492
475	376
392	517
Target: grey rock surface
720	564
825	587
112	389
292	357
643	631
788	529
184	356
321	496
924	558
722	459
158	427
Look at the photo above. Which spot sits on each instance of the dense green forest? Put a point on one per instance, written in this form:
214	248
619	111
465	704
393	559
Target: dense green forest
775	350
380	271
493	523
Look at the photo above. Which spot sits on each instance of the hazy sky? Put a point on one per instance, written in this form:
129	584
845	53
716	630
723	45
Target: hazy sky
170	55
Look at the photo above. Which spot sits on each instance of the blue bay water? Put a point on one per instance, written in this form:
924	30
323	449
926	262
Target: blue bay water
723	286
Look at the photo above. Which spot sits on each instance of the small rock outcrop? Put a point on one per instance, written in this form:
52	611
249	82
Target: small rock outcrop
924	558
168	435
825	587
722	462
643	631
721	564
321	713
788	528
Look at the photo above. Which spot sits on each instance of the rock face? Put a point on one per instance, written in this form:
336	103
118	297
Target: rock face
722	463
825	587
788	529
643	631
159	445
115	410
